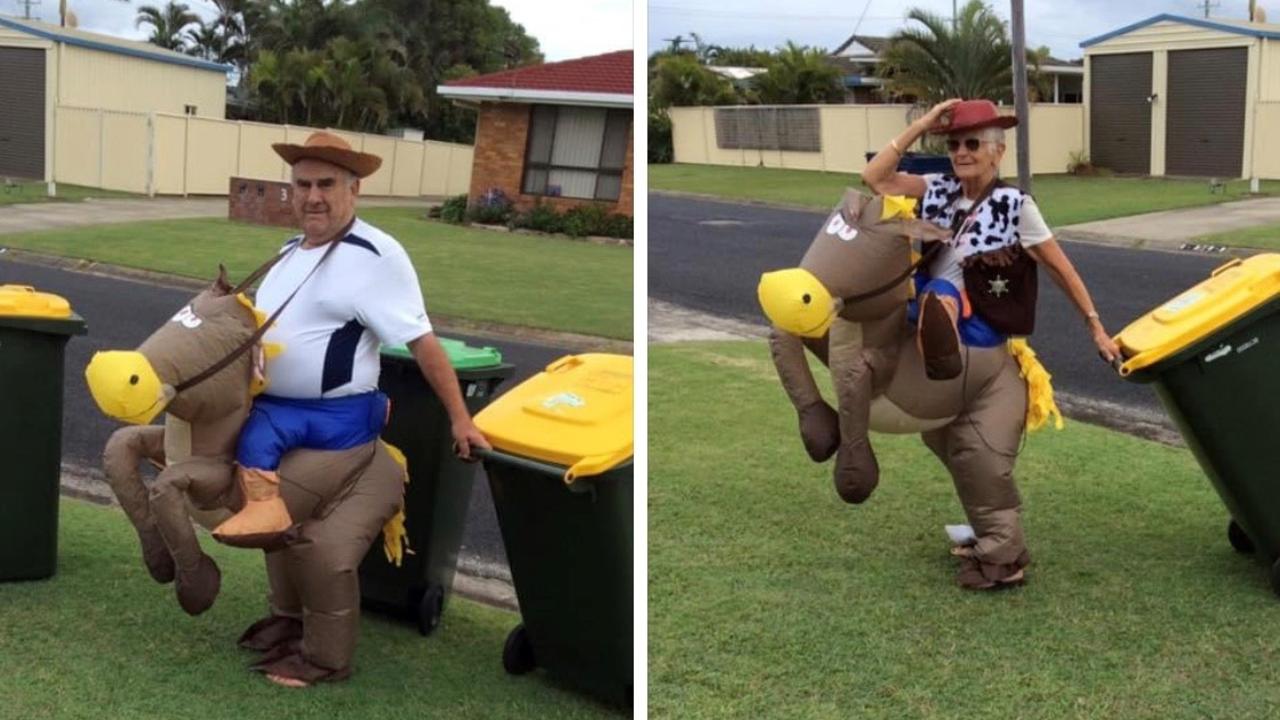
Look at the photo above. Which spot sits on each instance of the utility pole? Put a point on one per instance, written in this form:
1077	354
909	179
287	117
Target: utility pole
1208	5
1020	95
955	17
26	8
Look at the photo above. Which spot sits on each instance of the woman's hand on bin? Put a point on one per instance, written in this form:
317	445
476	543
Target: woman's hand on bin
1107	348
467	436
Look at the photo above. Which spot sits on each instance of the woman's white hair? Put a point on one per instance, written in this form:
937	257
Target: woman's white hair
993	134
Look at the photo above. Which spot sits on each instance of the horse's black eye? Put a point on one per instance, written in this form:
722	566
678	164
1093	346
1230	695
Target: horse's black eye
133	379
806	298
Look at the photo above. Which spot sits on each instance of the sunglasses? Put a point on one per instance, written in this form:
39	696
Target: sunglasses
971	144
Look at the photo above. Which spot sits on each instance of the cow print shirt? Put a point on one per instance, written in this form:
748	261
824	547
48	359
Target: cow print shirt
1006	217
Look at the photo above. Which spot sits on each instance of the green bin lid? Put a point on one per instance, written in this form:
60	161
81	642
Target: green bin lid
461	355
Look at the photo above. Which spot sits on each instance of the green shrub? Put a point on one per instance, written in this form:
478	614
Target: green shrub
543	218
454	210
661	145
583	220
620	226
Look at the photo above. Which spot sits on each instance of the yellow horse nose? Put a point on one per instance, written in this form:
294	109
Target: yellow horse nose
797	302
125	386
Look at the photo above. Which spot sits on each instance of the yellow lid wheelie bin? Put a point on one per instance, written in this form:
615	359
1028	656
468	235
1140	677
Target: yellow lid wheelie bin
34	329
561	477
1213	355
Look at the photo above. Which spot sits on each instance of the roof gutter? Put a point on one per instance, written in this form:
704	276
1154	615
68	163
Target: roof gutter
523	95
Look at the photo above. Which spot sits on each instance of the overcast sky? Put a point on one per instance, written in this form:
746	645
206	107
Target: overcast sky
564	28
1060	24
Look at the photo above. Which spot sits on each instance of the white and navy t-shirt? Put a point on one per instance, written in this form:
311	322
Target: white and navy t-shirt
365	293
944	191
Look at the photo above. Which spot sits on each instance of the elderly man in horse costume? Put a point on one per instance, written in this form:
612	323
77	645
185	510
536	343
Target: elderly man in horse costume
297	470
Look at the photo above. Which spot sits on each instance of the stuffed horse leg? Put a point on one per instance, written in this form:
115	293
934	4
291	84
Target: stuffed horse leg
197	576
819	424
979	449
125	450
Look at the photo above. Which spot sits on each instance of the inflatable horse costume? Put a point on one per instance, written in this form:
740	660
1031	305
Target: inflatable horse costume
847	304
202	368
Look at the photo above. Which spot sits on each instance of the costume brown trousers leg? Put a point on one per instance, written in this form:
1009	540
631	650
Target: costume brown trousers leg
318	574
980	449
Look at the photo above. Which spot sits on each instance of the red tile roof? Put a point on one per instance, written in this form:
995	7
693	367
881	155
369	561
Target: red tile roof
608	73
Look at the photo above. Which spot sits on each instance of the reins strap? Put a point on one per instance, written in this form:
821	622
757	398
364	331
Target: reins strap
244	347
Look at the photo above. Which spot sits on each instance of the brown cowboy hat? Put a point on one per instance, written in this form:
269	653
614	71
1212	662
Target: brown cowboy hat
331	149
972	115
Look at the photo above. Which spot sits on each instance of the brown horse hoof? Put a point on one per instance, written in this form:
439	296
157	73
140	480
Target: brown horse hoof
939	340
156	556
198	588
856	474
270	632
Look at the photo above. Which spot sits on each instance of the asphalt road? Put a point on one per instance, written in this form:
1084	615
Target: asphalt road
709	255
120	314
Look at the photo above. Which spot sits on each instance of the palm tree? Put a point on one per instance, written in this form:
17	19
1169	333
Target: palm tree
937	61
1039	86
206	41
799	75
680	80
166	24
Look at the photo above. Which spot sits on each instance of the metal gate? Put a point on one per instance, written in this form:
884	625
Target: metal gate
1120	112
22	113
1206	112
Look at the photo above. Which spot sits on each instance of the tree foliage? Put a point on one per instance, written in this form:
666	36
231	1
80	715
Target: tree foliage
799	75
971	59
167	23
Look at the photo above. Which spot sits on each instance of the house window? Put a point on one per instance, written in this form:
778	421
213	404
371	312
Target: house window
189	109
576	152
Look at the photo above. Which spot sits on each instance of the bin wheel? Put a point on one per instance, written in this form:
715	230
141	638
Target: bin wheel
1239	539
517	654
430	609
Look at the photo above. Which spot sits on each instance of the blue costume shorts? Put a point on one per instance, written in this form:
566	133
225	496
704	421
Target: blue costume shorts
277	425
974	331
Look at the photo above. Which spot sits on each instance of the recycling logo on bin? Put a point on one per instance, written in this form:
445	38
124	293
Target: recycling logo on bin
564	399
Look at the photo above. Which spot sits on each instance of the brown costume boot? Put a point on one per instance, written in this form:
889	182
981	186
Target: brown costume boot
939	341
264	521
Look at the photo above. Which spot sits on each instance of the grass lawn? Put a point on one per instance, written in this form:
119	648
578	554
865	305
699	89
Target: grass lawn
769	597
102	640
1265	237
32	192
478	275
1064	199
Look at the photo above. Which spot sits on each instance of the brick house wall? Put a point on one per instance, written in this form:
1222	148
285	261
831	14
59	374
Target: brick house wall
502	133
262	202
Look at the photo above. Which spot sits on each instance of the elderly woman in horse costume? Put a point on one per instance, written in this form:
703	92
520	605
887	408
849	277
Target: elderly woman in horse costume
297	470
922	342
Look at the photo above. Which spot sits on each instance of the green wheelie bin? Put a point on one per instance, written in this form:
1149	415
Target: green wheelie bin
438	493
1213	356
34	329
561	477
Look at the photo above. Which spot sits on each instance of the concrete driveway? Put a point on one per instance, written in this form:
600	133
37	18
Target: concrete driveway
29	217
1174	227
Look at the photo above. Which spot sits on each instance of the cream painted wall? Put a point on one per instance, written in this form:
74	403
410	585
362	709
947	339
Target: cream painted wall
1168	35
850	131
1269	71
92	78
190	155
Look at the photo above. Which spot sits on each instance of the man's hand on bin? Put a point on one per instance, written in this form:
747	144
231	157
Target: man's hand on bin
467	436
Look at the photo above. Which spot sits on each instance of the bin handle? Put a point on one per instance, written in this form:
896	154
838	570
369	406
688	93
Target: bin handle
520	462
565	363
1227	266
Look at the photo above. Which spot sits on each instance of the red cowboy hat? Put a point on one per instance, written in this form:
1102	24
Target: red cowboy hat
972	115
331	149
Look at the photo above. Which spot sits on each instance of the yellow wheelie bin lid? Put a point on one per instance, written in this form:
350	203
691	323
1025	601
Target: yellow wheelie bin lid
24	301
577	413
1231	292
